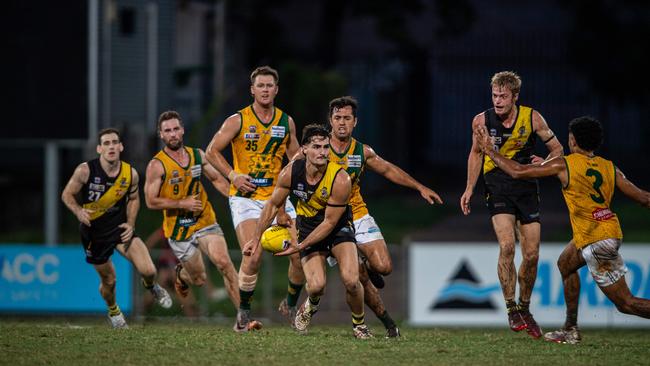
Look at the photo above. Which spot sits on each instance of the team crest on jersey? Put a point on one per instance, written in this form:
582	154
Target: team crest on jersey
354	161
252	129
301	186
123	182
323	192
277	131
493	132
522	131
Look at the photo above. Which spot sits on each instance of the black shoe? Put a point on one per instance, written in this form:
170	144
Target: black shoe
375	278
393	333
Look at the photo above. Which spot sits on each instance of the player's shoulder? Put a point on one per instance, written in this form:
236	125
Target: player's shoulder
479	118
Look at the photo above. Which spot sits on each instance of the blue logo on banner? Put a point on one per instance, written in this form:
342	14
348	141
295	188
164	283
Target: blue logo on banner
39	279
464	291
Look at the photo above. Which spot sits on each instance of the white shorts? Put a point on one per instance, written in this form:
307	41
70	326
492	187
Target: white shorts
184	250
242	209
366	230
605	263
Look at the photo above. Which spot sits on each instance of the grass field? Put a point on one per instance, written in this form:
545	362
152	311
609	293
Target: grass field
92	342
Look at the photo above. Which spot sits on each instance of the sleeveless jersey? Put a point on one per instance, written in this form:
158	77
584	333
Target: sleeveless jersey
178	183
354	162
516	143
258	149
312	199
588	195
106	196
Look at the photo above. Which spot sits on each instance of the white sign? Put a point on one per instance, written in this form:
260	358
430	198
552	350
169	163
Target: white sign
457	284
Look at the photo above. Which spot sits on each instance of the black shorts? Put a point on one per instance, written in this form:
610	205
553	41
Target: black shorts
337	236
524	206
99	246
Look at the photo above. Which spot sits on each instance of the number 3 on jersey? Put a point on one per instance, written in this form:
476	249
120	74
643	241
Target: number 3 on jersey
598	181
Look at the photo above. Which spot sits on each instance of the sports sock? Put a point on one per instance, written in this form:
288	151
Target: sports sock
357	319
511	305
524	306
246	297
293	293
571	319
146	285
386	320
114	310
312	304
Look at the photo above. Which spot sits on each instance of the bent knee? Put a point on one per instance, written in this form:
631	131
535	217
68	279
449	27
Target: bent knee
352	285
530	257
626	306
200	279
384	268
507	251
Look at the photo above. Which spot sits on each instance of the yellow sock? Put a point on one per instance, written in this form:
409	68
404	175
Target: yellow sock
358	319
114	310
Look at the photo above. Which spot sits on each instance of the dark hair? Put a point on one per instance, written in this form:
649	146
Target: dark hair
587	131
338	103
265	70
312	130
167	115
106	131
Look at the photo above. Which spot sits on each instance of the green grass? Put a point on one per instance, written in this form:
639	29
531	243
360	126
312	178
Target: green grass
83	342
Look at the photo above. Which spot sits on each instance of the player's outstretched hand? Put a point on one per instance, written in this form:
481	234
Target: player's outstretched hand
430	195
293	248
127	233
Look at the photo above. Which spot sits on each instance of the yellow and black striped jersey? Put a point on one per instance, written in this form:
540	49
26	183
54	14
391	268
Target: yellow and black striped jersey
106	197
517	143
179	182
312	199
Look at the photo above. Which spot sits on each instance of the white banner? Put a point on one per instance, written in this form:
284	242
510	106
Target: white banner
456	284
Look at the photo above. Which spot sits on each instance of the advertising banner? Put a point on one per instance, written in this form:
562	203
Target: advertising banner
456	284
37	279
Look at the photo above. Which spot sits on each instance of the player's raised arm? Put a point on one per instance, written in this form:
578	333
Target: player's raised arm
72	188
398	176
629	189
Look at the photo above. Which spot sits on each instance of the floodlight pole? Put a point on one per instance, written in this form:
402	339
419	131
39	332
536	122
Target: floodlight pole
51	183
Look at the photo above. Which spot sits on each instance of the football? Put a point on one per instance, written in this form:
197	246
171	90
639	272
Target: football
275	239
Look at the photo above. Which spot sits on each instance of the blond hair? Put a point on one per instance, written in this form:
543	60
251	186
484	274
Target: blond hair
508	79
